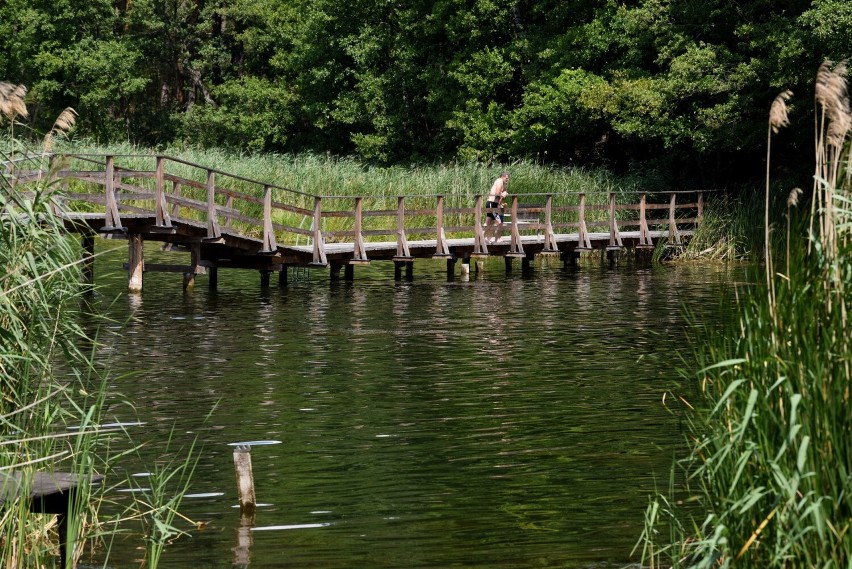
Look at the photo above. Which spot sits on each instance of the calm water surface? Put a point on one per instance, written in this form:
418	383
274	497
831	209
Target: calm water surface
504	421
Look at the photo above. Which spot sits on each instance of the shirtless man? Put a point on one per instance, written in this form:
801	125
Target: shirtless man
494	219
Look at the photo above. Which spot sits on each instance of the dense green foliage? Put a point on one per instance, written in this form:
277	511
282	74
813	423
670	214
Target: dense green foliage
578	81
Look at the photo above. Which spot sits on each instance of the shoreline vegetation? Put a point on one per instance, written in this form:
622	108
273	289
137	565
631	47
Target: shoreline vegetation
771	461
54	407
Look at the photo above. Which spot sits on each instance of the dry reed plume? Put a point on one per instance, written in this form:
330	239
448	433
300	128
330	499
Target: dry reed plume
777	119
63	123
833	122
792	201
12	101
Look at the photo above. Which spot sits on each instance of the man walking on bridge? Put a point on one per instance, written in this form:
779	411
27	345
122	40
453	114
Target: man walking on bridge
494	218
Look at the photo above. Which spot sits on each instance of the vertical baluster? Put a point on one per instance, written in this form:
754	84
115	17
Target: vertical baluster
442	249
112	219
176	188
229	205
213	231
674	234
644	232
479	245
269	243
402	251
163	219
700	216
549	237
359	252
516	248
583	241
614	235
320	257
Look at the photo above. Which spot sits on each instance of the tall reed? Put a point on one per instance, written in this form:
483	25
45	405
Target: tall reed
771	456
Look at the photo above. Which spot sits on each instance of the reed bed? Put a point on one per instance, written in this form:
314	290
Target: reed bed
52	409
771	460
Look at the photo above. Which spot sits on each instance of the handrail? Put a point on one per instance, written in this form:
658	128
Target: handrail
268	216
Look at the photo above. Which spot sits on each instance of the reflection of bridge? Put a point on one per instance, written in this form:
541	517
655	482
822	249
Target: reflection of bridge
227	221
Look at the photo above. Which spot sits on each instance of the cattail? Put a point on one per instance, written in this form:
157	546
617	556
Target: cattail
793	198
778	111
12	100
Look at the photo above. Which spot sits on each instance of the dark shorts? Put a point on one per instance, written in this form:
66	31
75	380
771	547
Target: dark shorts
496	215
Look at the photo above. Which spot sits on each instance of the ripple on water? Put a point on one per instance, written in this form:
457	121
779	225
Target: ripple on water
504	422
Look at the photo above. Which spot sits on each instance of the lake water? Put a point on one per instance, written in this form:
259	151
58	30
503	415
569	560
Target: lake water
504	421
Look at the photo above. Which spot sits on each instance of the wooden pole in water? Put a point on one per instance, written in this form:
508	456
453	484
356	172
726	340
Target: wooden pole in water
134	262
245	480
88	243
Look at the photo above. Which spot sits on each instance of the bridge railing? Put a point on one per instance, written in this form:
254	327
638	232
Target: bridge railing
169	190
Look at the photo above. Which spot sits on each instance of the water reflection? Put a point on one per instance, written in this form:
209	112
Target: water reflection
503	421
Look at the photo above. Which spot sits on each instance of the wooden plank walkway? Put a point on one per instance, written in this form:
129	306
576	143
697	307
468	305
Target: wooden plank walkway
228	221
50	493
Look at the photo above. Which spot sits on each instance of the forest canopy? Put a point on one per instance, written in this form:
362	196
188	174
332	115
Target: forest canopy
397	81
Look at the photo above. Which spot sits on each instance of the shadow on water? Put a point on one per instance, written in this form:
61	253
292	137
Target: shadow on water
507	420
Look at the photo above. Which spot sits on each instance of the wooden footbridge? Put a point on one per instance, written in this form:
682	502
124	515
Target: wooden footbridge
227	221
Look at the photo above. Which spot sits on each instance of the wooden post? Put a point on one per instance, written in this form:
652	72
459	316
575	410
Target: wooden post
176	192
397	270
570	258
229	205
526	262
508	262
614	236
584	243
245	479
112	219
264	278
349	272
213	278
644	233
163	218
479	245
674	234
334	271
88	261
135	262
269	243
442	249
319	243
359	252
549	237
213	231
409	270
194	260
451	269
282	276
516	248
402	251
